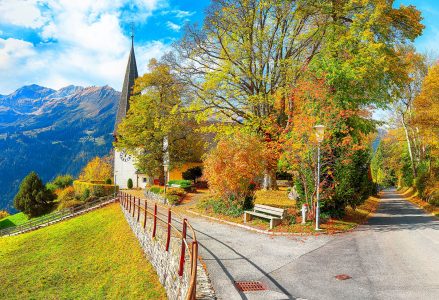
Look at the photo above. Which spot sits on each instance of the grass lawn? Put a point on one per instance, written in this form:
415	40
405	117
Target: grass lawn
93	256
13	220
274	198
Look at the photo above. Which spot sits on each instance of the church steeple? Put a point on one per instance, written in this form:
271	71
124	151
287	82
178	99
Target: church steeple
127	88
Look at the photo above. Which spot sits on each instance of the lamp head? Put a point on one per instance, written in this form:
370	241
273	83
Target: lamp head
320	132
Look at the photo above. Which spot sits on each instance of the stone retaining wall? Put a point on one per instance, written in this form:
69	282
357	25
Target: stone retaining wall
166	263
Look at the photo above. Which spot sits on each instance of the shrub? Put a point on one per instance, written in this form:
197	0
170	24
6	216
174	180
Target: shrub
94	189
434	198
63	181
108	181
67	198
66	194
233	165
172	199
3	214
193	173
130	183
155	189
176	191
85	194
227	207
182	183
33	198
421	180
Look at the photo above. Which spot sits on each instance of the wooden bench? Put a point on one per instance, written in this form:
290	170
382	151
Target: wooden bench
274	214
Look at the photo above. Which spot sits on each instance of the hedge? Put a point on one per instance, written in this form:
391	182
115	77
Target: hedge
95	189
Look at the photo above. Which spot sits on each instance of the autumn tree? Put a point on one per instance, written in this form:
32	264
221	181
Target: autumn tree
426	120
250	55
232	166
415	66
97	169
156	129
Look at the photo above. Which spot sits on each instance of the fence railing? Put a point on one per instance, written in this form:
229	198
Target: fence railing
55	216
137	207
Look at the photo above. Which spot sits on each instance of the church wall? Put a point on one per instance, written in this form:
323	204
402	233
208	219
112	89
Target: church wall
124	170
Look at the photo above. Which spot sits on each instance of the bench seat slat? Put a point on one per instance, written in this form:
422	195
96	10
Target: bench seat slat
261	215
280	210
267	211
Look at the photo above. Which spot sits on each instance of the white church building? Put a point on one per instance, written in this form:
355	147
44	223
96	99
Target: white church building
124	164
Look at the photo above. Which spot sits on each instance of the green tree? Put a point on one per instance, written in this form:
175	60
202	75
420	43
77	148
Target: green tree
33	198
193	173
155	128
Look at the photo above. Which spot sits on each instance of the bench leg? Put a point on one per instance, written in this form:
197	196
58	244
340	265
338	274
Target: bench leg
247	217
274	222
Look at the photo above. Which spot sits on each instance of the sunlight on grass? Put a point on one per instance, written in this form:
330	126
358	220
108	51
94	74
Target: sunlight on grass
13	220
274	198
94	256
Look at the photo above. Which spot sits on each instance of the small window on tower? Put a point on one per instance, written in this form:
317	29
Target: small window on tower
144	179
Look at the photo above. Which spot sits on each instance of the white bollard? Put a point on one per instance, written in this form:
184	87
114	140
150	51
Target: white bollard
304	210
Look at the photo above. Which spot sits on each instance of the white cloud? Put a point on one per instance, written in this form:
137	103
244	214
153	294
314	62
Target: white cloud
24	13
12	51
180	14
83	45
173	26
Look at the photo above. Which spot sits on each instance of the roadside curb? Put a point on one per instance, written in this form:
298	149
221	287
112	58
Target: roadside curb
270	232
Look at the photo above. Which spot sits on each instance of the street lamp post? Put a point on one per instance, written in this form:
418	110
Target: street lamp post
166	170
320	131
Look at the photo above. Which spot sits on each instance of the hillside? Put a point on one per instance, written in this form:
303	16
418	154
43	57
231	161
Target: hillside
93	256
52	132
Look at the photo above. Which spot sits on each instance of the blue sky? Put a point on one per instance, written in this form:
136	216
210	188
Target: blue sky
56	43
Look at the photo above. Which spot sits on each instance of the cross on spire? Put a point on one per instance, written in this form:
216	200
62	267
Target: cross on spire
132	33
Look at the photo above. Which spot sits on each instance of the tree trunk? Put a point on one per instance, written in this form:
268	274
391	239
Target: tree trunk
409	146
269	182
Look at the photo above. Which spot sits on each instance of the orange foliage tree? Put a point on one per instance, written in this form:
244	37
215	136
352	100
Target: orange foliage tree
97	169
233	165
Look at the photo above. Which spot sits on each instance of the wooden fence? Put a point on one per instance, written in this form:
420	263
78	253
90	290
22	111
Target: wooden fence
137	207
55	216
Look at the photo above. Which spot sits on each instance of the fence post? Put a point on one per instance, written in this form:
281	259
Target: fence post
138	210
168	238
194	269
146	213
134	204
155	220
183	247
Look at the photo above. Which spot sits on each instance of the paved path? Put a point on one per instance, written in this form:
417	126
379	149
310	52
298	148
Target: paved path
394	256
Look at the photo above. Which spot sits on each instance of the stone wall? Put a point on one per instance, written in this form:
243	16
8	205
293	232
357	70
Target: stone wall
165	262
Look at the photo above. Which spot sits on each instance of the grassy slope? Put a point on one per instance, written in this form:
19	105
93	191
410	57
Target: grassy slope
411	195
13	220
94	256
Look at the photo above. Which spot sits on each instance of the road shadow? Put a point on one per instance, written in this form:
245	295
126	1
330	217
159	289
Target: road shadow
395	213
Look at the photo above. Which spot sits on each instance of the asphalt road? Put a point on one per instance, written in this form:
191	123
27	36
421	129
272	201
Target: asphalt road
394	256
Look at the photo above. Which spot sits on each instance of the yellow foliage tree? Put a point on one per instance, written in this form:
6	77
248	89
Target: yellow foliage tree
427	110
97	169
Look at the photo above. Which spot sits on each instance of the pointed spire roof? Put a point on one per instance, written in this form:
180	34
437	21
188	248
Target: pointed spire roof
127	88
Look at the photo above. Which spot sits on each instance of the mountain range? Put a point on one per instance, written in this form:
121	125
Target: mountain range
52	132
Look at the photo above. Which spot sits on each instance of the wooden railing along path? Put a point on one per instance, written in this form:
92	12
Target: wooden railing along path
141	210
56	216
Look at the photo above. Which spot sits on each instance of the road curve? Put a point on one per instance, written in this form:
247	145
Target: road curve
394	256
